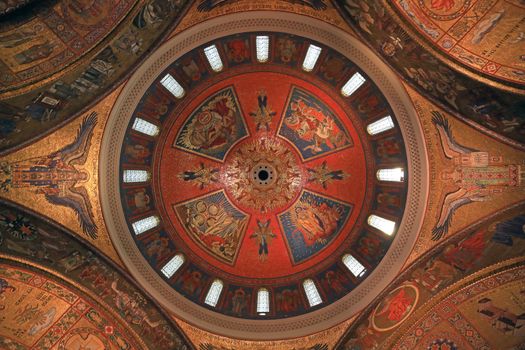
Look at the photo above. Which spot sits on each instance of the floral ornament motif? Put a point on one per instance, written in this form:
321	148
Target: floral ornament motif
17	226
265	175
109	330
442	344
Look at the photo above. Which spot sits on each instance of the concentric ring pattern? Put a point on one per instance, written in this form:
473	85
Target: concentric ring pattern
248	185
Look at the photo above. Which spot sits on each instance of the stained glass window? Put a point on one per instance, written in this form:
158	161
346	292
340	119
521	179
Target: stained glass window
262	45
311	57
382	224
173	265
380	125
392	175
352	84
145	224
312	294
355	267
263	301
212	54
131	176
172	86
214	293
145	127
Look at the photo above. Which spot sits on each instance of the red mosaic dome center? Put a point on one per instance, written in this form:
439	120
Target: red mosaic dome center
262	175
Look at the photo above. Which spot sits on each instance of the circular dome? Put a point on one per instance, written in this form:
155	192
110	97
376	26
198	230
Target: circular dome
262	191
258	170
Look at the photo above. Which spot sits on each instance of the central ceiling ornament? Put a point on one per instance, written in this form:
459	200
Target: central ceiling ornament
263	174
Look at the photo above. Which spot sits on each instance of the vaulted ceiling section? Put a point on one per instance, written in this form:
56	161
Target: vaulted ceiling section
186	175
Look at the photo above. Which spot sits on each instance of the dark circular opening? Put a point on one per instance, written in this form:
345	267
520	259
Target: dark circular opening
263	175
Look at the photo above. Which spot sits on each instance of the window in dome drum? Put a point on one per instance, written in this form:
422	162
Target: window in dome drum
172	86
352	84
173	265
391	175
133	176
145	224
355	267
262	44
382	224
212	54
263	301
311	57
312	294
380	125
214	293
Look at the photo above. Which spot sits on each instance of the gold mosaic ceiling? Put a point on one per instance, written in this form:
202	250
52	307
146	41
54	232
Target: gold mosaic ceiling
471	118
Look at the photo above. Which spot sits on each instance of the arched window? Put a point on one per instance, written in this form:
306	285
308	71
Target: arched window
145	224
352	84
263	301
355	267
133	176
380	125
214	293
173	265
212	54
262	46
312	294
392	175
382	224
172	86
145	127
311	57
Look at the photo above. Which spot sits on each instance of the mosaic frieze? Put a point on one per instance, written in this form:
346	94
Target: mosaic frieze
455	295
462	94
66	296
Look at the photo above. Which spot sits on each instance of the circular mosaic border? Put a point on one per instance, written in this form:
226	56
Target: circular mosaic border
409	227
350	240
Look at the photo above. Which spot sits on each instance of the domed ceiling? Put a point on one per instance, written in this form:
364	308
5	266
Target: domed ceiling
259	182
243	186
262	175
